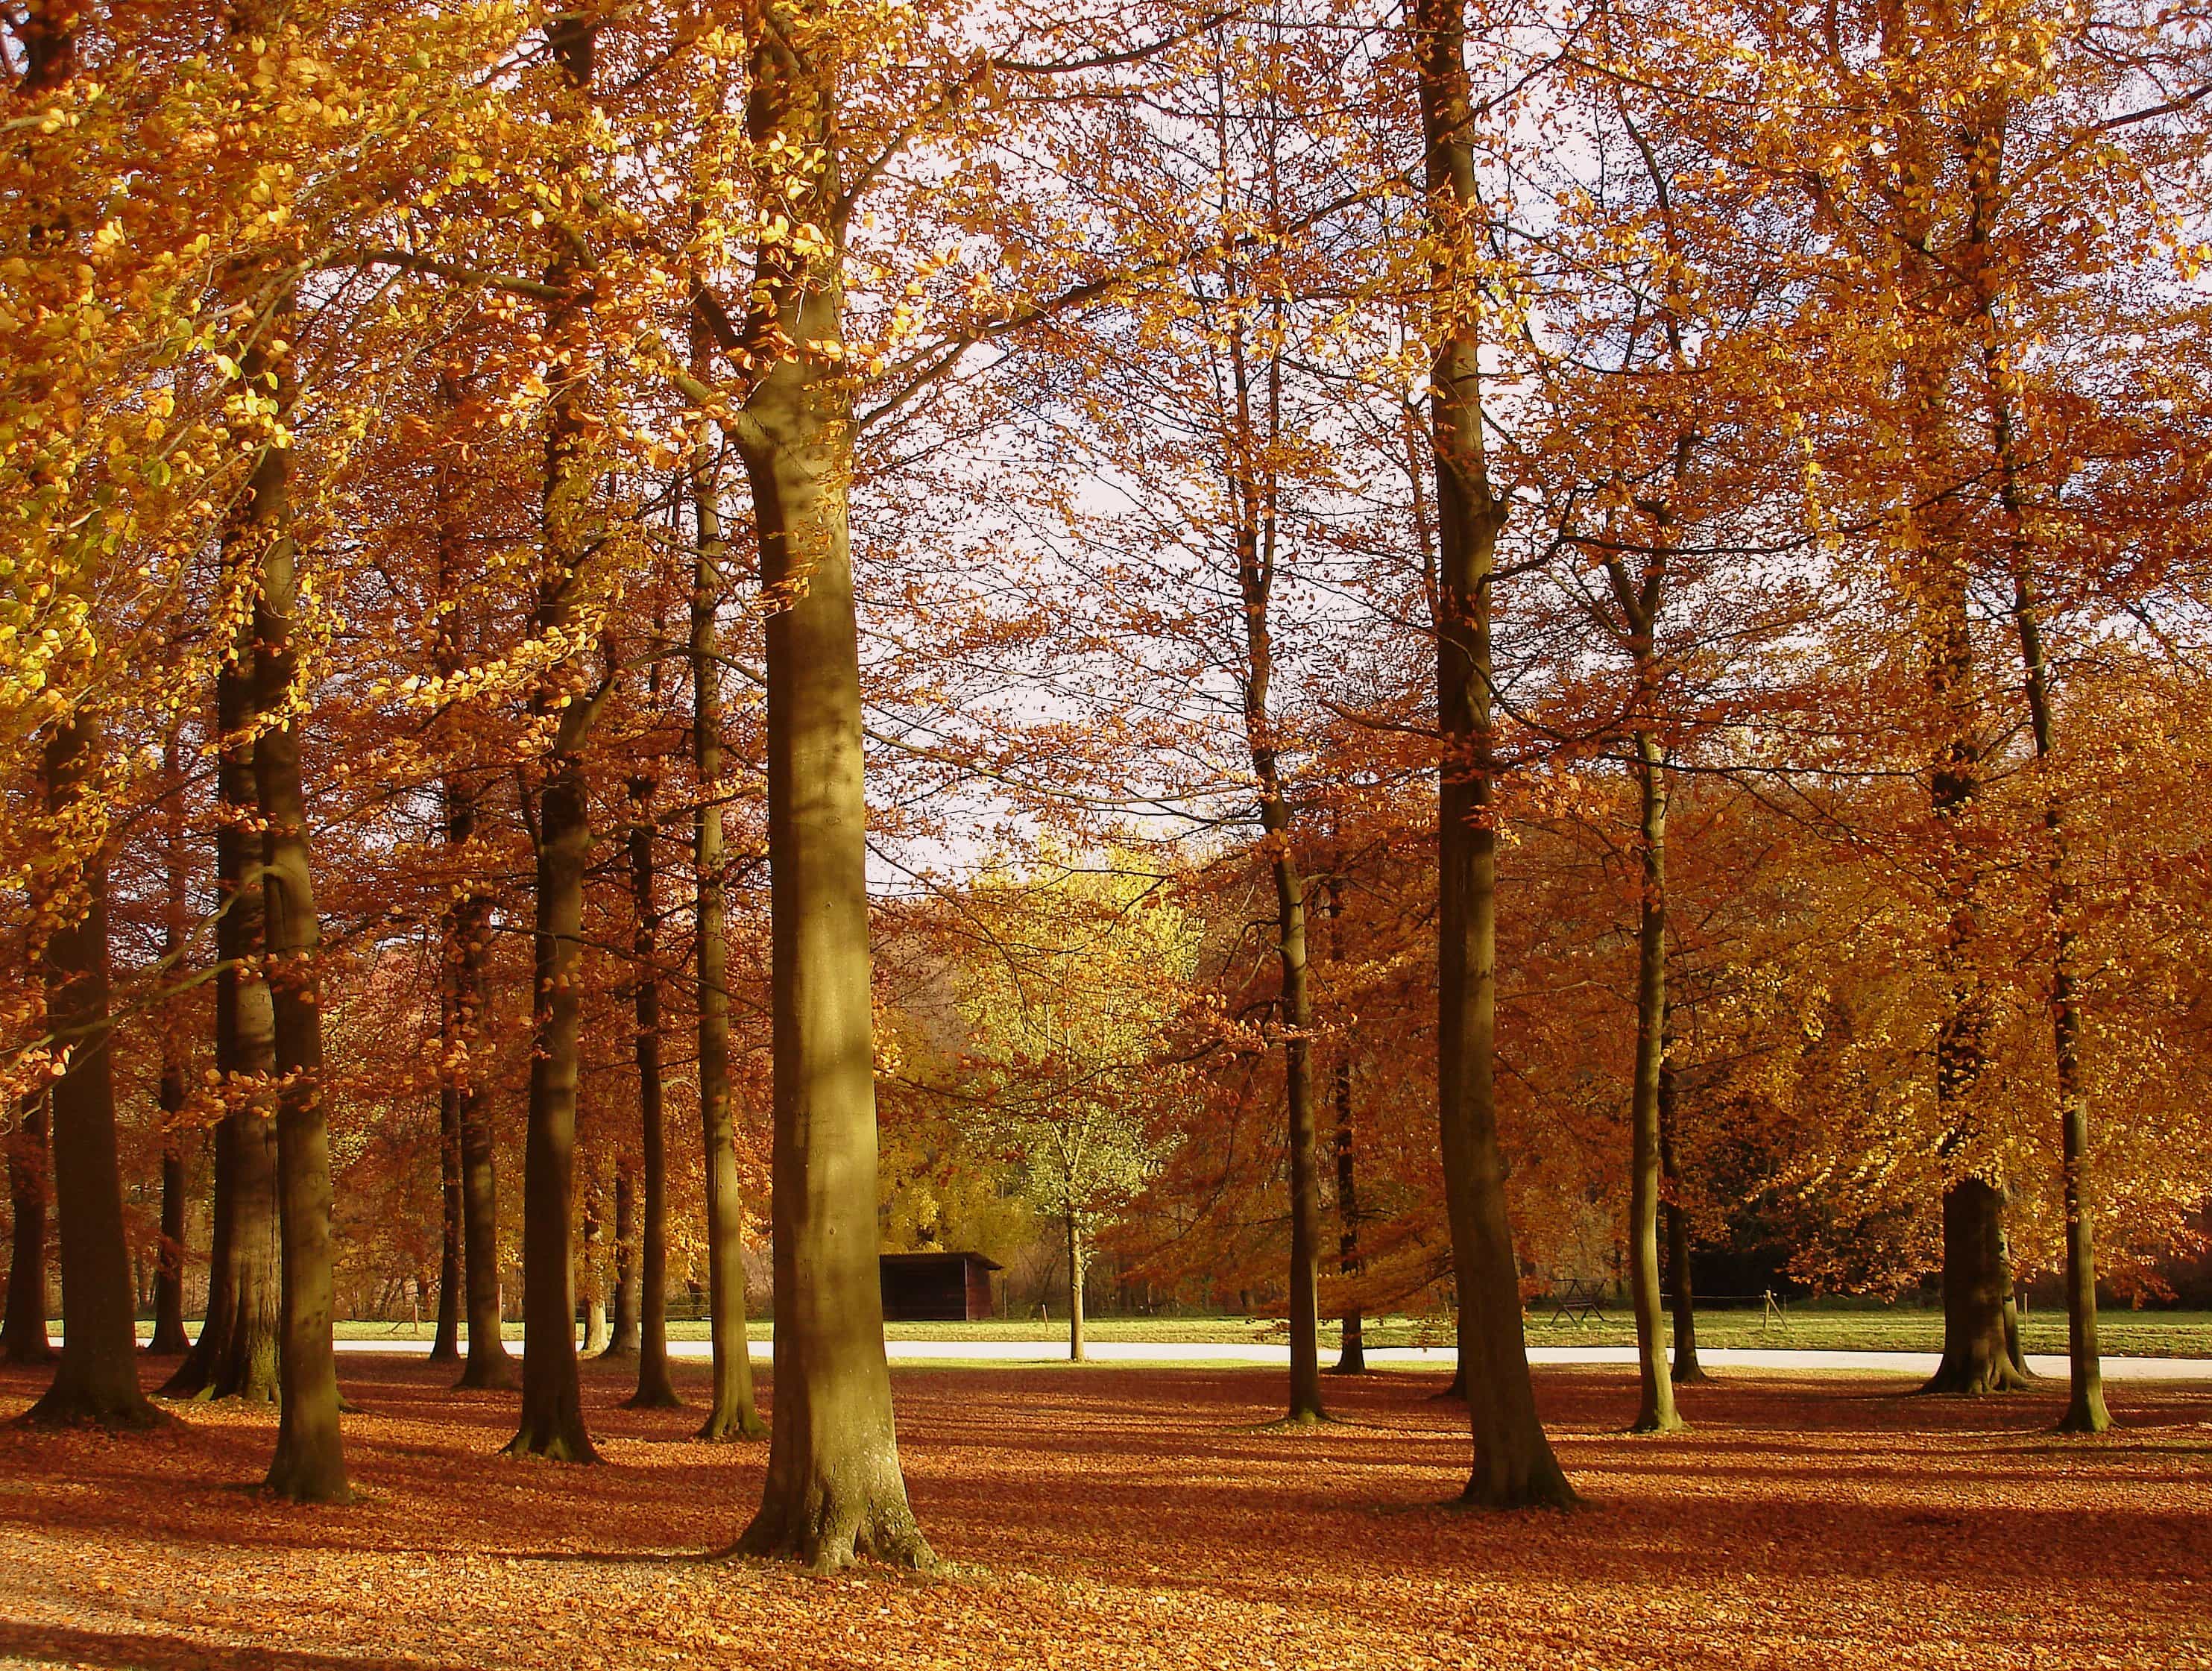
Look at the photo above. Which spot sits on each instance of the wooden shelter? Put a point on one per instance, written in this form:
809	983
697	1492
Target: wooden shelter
936	1287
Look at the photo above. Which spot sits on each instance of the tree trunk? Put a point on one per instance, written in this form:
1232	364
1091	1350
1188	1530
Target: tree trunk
470	1263
1251	488
468	944
623	1335
1655	1412
1303	1144
446	1340
552	1424
23	1334
2013	1351
1352	1359
595	1291
235	1355
1687	1369
732	1413
309	1465
195	1376
489	1365
834	1489
1514	1466
645	964
1075	1263
1976	1280
96	1378
2085	1401
170	1340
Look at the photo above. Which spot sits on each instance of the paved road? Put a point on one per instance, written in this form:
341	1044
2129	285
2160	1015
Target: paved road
1189	1352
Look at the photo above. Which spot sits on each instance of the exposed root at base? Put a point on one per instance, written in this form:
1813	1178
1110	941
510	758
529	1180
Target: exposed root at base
74	1410
834	1536
550	1447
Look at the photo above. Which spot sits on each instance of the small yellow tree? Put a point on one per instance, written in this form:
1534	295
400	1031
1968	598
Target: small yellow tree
1084	972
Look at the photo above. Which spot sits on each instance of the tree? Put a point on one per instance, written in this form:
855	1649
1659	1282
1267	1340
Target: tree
731	1414
552	1424
1080	974
1514	1466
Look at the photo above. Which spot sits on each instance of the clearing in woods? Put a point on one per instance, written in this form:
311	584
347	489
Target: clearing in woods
1130	1518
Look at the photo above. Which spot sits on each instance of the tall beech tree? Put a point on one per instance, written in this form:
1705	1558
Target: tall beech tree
732	1413
169	1340
566	707
1351	1351
834	1489
1514	1466
96	1376
309	1465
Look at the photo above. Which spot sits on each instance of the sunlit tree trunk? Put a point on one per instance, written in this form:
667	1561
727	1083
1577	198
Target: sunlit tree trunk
1514	1466
834	1489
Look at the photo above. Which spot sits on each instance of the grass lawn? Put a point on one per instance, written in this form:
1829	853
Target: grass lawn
1806	1328
1131	1519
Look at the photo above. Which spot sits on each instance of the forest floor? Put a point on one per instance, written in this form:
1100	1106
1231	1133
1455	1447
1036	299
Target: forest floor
1134	1519
2123	1333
